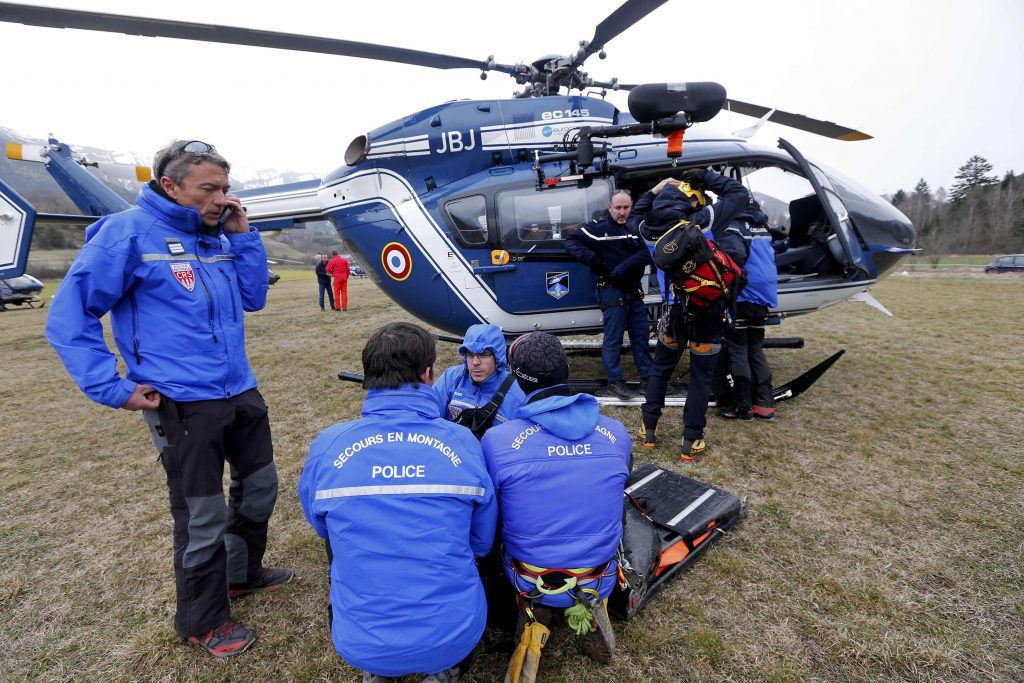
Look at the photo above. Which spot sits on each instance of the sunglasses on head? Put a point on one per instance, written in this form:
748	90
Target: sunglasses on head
196	147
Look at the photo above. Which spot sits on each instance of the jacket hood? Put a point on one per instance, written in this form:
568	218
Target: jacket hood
421	399
567	417
481	337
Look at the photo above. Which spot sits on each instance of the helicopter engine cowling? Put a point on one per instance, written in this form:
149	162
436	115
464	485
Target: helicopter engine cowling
700	101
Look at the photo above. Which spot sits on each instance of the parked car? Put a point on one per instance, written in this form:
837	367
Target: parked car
1006	264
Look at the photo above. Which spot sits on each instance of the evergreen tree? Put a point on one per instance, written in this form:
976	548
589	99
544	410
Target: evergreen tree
899	198
922	192
972	175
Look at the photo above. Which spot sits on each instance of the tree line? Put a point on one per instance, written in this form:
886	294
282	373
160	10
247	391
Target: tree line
981	213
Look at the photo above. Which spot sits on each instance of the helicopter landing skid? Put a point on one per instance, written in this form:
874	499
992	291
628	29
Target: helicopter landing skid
676	395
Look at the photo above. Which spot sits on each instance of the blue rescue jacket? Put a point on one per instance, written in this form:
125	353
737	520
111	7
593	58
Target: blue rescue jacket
747	241
560	469
736	223
175	297
405	500
456	387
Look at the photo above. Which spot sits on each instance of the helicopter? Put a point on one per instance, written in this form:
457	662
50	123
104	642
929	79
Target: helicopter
460	211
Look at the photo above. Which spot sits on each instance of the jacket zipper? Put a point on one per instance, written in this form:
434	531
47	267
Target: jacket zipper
135	328
209	297
231	293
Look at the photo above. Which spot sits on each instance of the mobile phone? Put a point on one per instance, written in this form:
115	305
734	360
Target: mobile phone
225	215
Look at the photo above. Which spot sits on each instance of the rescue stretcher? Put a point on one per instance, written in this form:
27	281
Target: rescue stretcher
669	521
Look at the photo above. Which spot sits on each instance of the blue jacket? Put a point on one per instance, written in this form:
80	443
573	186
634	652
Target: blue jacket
175	297
560	469
747	241
456	388
404	498
739	227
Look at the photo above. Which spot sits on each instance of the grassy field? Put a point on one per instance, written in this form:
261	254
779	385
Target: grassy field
884	540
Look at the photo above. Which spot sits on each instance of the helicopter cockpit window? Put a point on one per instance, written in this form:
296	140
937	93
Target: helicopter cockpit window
468	218
529	219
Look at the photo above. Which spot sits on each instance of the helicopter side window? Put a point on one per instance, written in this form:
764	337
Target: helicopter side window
529	219
468	218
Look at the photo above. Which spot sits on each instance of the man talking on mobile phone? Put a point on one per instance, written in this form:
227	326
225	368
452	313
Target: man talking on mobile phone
176	273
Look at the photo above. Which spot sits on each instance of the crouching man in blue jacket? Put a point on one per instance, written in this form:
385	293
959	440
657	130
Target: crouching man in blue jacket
559	469
480	392
404	498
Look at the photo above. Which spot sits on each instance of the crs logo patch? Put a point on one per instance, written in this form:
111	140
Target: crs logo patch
184	274
557	284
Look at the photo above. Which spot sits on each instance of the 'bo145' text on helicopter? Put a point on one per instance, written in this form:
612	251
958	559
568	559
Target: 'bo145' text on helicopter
460	211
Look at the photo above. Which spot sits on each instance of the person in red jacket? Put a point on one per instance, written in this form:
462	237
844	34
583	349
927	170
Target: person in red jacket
338	268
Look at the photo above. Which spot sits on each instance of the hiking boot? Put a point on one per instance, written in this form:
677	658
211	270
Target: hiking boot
599	643
763	413
620	390
648	434
734	414
447	676
271	578
226	640
692	448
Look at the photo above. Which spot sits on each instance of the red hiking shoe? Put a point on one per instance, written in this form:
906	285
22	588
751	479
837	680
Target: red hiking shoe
226	640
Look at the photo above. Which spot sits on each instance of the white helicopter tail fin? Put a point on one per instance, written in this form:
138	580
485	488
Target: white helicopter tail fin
17	218
865	297
749	132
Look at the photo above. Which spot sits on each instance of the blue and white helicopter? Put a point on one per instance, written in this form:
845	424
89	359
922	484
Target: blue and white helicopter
460	211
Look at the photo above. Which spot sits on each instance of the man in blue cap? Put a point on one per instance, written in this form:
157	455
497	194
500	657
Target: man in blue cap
559	469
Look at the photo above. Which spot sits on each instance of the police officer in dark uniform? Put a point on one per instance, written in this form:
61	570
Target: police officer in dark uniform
618	257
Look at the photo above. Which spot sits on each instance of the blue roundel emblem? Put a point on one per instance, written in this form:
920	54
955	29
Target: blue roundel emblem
546	131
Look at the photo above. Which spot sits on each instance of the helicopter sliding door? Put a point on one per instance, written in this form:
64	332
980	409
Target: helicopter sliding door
852	256
533	227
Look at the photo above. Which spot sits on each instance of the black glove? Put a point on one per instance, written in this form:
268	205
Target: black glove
694	178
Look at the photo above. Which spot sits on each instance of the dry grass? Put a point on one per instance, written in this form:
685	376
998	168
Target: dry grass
883	543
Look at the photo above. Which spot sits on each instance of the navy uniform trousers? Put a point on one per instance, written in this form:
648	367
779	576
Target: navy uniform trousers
215	543
751	373
705	342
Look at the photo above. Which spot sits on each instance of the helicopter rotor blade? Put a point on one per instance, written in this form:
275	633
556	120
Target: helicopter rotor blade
52	17
827	129
618	21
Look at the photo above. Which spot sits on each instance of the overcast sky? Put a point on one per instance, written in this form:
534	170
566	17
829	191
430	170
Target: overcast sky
933	81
